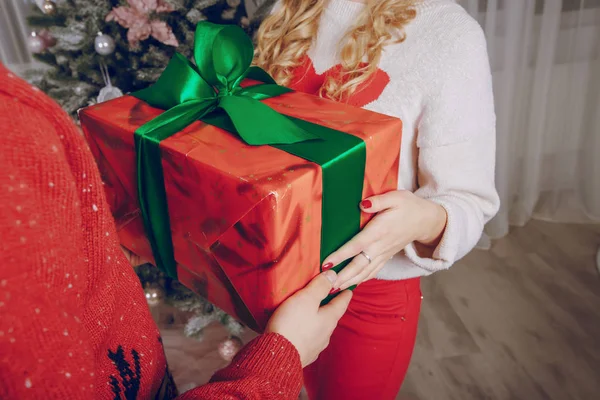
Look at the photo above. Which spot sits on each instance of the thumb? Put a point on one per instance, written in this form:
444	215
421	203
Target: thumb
336	308
320	286
382	202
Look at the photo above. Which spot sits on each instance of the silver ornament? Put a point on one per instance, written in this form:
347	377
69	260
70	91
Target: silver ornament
36	43
79	90
104	44
230	347
48	7
47	37
109	93
154	294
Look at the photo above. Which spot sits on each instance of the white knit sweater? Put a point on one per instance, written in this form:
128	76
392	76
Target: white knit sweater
441	88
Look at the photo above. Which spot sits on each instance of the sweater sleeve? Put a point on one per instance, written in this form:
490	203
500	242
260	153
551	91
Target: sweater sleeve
267	368
45	351
456	142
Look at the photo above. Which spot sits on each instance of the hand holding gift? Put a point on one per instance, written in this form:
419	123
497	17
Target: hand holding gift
401	218
302	321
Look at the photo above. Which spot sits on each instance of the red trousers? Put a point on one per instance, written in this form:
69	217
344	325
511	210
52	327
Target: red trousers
371	348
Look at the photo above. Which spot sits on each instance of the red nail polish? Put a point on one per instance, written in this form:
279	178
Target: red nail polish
327	266
334	291
366	204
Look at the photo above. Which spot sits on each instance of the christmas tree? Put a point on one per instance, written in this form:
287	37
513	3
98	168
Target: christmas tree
96	50
160	289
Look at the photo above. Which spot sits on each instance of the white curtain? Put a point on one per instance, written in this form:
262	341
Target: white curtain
14	32
545	58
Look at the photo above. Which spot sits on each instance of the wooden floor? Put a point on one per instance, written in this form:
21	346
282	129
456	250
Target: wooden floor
521	321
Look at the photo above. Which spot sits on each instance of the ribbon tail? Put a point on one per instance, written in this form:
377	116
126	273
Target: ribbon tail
263	91
151	185
259	74
258	124
176	118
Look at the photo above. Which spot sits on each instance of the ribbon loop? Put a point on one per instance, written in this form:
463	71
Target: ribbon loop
180	82
223	55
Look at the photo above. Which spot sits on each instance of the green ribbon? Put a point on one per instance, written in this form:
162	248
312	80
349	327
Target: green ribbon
211	91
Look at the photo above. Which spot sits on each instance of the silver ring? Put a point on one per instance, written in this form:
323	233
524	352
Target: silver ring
366	256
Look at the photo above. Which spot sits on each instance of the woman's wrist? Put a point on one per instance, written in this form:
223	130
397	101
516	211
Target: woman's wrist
435	219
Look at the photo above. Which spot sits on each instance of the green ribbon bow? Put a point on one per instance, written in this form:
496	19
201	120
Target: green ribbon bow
211	91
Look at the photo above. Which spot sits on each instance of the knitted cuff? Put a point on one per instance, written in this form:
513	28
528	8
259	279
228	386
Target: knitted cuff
274	356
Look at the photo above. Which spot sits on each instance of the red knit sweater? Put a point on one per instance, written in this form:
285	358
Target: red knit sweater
74	323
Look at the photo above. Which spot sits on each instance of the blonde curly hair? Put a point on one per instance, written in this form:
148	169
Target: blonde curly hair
285	37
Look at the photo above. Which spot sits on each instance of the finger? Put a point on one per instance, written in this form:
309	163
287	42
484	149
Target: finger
356	280
356	267
372	275
336	308
380	261
382	202
365	238
320	286
367	273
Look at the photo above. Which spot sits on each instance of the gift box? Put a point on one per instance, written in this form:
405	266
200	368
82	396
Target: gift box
242	190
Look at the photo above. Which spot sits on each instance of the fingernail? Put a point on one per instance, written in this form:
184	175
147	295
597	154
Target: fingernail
327	266
334	291
366	204
330	275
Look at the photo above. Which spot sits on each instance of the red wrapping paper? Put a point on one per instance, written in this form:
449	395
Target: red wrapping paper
245	221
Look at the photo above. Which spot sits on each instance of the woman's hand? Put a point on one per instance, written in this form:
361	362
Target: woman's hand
402	218
302	321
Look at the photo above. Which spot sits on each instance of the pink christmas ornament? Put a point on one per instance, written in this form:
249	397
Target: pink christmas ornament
137	18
